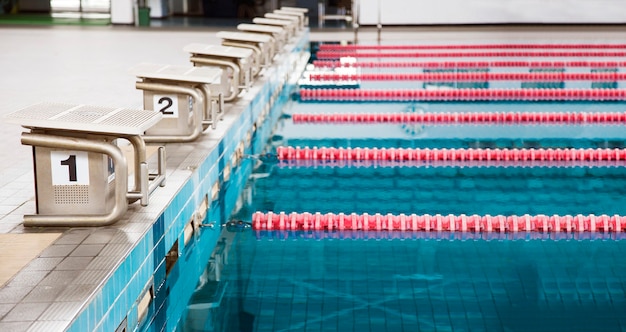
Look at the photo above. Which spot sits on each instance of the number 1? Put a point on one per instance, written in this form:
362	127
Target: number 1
70	162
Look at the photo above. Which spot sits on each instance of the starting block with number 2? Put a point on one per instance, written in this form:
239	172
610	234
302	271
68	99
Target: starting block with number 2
188	98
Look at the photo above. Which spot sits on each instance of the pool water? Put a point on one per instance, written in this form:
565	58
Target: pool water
444	190
382	281
308	283
416	281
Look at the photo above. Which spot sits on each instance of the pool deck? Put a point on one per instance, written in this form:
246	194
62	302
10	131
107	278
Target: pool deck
48	274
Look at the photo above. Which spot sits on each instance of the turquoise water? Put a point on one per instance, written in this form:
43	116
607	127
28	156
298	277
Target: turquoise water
444	190
383	281
306	284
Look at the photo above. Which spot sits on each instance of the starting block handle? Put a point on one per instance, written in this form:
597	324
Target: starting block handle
223	63
212	113
260	57
145	183
198	110
79	144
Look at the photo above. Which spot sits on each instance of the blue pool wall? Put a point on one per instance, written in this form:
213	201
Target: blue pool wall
194	259
144	265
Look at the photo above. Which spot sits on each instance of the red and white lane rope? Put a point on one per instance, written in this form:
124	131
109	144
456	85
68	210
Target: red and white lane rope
338	47
471	54
461	94
439	223
472	77
295	235
618	118
469	64
285	153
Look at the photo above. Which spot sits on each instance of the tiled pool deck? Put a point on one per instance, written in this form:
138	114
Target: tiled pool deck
90	278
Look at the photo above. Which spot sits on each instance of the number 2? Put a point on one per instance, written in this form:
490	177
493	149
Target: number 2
166	104
169	102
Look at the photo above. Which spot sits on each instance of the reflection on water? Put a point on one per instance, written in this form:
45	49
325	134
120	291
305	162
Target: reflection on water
203	310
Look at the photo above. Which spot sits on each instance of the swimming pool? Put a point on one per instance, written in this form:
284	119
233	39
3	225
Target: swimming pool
357	280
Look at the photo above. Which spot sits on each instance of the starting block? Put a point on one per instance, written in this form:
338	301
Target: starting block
302	19
190	99
279	34
289	26
297	25
264	46
239	61
81	175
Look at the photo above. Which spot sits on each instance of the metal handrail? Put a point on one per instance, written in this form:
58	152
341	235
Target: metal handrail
145	183
80	144
197	116
211	112
235	86
257	51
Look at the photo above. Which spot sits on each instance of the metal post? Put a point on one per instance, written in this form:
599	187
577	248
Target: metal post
321	12
379	26
356	13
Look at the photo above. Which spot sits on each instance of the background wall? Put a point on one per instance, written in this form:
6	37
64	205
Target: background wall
403	12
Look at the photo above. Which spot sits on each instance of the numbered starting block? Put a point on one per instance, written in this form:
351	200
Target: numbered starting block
295	9
279	34
81	174
190	99
289	26
302	21
295	21
299	10
237	62
263	46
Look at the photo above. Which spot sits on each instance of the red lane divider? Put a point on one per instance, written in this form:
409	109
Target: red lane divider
320	163
294	235
464	77
337	47
464	117
337	55
416	154
470	64
460	94
439	223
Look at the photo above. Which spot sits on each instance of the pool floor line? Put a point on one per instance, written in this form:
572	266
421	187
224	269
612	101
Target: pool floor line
364	304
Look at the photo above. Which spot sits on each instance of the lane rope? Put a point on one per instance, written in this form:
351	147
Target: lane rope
524	94
324	55
469	64
417	154
438	222
616	118
338	47
472	77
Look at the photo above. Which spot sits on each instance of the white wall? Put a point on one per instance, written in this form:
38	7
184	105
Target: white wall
408	12
122	12
159	8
